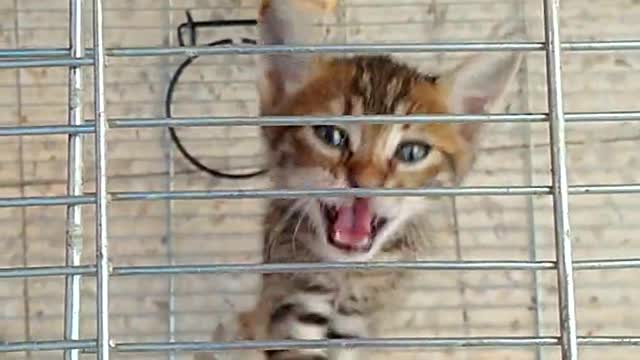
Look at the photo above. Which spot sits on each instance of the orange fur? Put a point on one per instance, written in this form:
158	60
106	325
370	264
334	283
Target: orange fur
350	303
333	82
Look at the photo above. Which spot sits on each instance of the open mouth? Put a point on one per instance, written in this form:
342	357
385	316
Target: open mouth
352	227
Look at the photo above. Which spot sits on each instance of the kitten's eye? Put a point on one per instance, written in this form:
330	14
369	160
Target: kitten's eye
332	136
412	152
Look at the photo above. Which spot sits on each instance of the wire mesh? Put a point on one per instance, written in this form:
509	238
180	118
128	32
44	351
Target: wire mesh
497	303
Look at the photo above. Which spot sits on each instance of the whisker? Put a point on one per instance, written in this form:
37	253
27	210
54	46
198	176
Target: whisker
274	234
302	213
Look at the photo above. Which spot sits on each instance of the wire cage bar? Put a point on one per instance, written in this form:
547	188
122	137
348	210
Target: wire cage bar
294	194
102	239
77	57
88	346
89	270
131	123
560	184
578	46
75	167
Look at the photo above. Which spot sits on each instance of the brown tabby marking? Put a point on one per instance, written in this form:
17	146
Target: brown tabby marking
351	304
366	86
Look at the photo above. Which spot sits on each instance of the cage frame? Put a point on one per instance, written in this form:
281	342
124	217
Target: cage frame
77	56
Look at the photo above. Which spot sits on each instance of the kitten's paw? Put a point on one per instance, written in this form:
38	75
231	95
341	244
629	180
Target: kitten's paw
239	328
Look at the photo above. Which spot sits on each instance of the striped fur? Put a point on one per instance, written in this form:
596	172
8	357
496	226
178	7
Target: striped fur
350	304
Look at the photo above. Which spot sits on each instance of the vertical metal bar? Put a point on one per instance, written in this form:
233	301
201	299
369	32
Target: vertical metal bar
462	289
560	193
74	229
170	241
169	158
102	241
170	245
26	298
538	294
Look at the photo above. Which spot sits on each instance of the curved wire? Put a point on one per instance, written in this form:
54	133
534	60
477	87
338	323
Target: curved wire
172	131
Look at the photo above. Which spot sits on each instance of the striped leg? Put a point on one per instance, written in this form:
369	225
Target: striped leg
313	316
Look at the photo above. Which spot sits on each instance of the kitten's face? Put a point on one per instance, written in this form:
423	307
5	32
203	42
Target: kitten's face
367	155
363	155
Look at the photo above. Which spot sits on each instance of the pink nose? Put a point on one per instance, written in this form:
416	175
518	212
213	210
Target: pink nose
366	177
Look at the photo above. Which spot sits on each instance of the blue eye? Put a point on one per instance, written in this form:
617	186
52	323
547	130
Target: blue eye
332	136
412	152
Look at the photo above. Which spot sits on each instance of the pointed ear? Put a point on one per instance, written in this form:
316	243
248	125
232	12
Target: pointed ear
479	85
289	22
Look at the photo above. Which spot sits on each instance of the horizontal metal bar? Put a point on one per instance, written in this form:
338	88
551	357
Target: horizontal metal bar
604	189
313	120
15	64
370	119
578	46
403	343
609	340
380	343
46	130
269	194
489	265
608	264
46	201
389	343
331	48
341	266
362	192
262	121
317	120
603	116
313	193
34	52
275	49
607	45
47	345
513	265
43	271
132	123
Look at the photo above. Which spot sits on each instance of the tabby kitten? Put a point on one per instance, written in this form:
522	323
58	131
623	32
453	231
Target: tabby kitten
348	304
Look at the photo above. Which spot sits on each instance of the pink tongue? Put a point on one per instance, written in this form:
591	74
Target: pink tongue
353	223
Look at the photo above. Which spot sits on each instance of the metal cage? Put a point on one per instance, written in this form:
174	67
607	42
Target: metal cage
74	344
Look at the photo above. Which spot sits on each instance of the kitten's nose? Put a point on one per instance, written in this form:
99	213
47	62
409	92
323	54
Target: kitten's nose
366	176
351	181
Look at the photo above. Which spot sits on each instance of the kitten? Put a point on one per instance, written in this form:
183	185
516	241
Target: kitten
348	304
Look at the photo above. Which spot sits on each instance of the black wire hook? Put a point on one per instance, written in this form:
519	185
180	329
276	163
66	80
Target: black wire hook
193	26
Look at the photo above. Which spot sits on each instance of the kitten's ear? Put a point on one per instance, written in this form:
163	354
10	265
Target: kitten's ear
480	84
289	22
